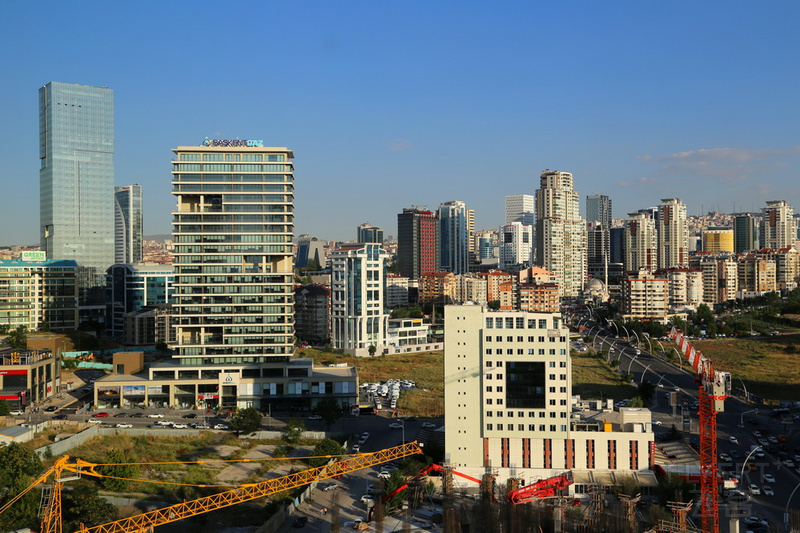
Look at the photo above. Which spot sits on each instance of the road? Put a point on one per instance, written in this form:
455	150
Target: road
739	420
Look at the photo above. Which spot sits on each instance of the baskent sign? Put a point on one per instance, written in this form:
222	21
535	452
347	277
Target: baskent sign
228	143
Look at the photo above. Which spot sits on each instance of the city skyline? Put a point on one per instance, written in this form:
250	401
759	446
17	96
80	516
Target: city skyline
644	102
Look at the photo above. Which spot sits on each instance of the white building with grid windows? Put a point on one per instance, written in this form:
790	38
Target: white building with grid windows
509	406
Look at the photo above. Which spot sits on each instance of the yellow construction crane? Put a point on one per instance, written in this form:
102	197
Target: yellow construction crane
145	522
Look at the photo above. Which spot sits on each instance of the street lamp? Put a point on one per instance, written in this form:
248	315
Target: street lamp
741	476
649	344
645	371
786	511
638	342
741	418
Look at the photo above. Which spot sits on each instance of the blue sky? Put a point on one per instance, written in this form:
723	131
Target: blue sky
393	104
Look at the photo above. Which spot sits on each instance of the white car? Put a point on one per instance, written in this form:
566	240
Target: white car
384	474
330	486
16	412
767	490
124	425
429	425
180	426
95	421
768	478
155	415
356	448
367	498
754	490
221	426
395	425
733	439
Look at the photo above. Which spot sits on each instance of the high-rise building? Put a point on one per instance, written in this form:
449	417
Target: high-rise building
519	208
358	310
560	231
76	181
598	209
130	287
417	233
641	243
673	233
128	229
778	228
233	253
38	293
718	239
456	224
744	233
598	255
369	233
515	246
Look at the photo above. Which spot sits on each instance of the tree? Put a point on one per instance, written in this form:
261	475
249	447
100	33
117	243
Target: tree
18	338
646	391
293	431
372	349
247	420
82	505
329	410
325	447
117	471
494	305
162	347
5	408
18	465
17	462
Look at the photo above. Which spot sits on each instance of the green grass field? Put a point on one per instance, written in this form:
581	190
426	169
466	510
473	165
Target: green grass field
768	366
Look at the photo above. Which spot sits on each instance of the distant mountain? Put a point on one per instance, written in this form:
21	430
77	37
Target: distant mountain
160	238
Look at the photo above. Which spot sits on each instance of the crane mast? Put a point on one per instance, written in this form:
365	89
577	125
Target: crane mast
713	387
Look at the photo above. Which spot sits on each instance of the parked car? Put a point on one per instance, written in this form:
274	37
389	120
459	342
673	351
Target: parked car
384	474
300	521
367	498
330	486
51	408
221	426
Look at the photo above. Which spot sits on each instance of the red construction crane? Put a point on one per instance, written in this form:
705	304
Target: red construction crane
422	473
714	387
544	488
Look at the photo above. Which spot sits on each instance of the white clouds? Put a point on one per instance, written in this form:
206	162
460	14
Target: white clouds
727	165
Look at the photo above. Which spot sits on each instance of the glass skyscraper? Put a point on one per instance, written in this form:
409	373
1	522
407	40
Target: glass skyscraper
76	181
128	223
233	231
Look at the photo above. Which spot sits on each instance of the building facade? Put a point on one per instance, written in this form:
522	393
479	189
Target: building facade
645	297
417	236
128	224
598	209
519	208
641	243
358	309
312	313
744	233
560	232
516	246
130	287
673	234
778	228
310	251
508	403
76	181
456	225
39	294
366	232
718	240
233	230
28	376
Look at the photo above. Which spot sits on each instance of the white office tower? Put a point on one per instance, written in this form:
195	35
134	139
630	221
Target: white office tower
560	232
778	229
519	208
358	316
516	241
673	234
641	243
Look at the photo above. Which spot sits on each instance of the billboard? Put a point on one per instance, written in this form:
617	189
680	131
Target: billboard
34	256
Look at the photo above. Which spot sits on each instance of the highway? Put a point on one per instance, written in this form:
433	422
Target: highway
740	420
